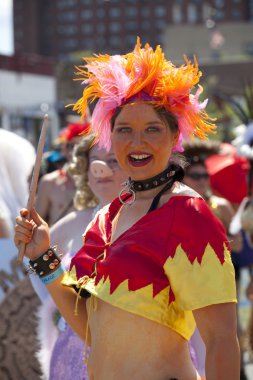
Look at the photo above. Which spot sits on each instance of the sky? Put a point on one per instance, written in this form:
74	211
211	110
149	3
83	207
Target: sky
6	32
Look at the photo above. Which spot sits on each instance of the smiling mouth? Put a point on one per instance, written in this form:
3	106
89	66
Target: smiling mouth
139	159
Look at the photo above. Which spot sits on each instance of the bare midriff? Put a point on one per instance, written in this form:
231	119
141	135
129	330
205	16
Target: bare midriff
129	347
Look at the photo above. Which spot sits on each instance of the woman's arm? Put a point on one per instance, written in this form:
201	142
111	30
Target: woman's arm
35	234
218	327
65	299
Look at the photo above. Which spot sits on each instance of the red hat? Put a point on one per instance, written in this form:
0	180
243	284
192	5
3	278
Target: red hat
228	175
73	130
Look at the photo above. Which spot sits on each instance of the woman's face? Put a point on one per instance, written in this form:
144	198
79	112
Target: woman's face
141	141
197	178
68	147
106	188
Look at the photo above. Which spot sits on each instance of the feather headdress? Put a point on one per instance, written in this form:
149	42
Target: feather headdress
114	80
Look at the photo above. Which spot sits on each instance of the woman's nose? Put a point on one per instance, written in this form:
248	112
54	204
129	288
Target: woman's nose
100	169
137	139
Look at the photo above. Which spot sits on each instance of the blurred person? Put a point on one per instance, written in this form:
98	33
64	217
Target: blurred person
61	353
155	262
4	227
17	156
56	189
244	221
52	160
197	177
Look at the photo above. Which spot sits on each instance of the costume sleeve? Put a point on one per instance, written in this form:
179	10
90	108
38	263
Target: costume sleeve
199	266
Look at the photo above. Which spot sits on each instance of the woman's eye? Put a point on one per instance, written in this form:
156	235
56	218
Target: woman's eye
153	128
123	130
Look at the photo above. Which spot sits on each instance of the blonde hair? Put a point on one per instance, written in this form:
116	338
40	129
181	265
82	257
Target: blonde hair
78	169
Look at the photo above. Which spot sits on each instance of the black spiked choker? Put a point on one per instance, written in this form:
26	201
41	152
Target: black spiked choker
151	183
173	173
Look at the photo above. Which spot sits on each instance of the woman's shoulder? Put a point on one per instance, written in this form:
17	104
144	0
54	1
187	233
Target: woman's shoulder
184	196
72	217
70	224
191	208
194	225
181	190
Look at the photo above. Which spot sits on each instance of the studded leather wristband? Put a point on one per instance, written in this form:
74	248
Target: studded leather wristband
47	263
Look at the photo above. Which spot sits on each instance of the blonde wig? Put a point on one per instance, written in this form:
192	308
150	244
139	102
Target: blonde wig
78	169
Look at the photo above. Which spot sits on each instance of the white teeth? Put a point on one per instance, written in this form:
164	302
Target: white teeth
139	156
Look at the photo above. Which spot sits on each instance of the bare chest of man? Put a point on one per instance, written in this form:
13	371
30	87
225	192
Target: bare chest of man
61	198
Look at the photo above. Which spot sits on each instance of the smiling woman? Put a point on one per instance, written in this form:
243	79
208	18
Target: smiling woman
155	262
141	139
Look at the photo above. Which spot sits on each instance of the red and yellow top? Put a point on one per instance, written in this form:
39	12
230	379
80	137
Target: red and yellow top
172	261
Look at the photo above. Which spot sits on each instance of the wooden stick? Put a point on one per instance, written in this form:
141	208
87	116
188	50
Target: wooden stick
35	177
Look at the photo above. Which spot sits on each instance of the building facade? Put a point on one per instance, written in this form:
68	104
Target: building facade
224	42
27	92
218	32
59	27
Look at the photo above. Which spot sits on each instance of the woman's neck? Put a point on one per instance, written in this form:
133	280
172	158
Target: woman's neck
150	187
148	194
105	201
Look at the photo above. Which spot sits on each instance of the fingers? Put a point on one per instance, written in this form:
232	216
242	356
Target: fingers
24	213
23	222
23	231
23	228
21	237
36	217
26	230
28	224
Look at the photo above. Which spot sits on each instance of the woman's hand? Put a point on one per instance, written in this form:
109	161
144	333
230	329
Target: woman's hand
34	233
